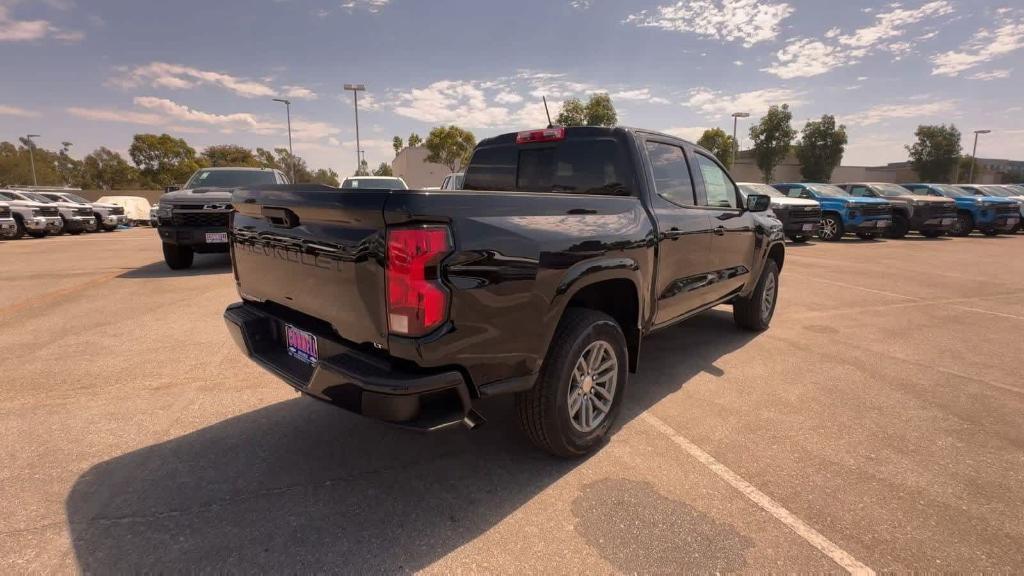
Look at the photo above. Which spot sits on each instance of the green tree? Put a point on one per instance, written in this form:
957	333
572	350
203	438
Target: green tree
326	176
70	170
598	111
16	164
936	153
266	159
820	149
716	141
772	137
363	170
397	144
285	161
163	160
105	169
450	146
229	155
415	140
383	170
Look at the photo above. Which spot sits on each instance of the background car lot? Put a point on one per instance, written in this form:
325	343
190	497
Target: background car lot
882	409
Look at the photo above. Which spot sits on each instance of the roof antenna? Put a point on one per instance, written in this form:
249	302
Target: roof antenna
544	98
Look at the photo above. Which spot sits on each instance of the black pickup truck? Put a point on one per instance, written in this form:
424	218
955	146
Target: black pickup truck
541	277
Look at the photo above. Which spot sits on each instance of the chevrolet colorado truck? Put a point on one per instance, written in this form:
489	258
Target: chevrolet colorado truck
8	227
800	217
999	191
565	248
195	218
75	218
868	218
989	214
929	215
30	217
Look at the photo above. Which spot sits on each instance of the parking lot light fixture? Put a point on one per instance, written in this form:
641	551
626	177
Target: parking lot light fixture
735	143
974	154
288	113
356	89
31	156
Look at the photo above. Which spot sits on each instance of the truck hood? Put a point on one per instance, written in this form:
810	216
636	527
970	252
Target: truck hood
791	202
855	200
26	203
198	196
921	199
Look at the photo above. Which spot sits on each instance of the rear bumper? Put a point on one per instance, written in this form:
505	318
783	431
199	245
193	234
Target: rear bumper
350	378
194	237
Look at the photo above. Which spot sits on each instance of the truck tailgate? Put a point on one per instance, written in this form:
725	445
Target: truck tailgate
316	250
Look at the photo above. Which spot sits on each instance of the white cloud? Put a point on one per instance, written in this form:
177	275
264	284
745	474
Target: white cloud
580	4
991	75
179	77
508	98
13	30
371	6
749	21
15	111
984	46
921	109
714	103
807	57
117	115
449	101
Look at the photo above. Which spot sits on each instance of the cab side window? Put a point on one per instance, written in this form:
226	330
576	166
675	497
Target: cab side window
671	173
718	187
859	191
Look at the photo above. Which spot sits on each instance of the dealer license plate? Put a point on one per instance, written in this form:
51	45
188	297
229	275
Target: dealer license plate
807	227
216	237
301	345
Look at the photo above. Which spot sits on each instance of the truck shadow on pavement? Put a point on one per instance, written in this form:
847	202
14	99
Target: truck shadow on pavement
203	264
302	487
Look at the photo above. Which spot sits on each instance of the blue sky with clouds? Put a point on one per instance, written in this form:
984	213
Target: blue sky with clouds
95	72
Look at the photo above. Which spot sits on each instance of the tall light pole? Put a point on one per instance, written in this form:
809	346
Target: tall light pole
356	89
736	143
288	112
974	154
31	156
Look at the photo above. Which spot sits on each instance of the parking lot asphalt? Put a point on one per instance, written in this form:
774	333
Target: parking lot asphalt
876	426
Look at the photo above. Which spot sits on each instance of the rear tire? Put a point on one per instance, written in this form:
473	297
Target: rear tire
990	232
37	233
932	233
544	410
177	257
900	227
963	226
756	312
832	228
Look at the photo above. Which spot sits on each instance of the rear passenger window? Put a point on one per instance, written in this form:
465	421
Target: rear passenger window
493	168
718	187
858	191
671	173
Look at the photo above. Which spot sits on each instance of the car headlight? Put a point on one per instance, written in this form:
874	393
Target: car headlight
163	211
777	206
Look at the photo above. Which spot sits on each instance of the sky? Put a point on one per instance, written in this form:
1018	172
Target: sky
96	72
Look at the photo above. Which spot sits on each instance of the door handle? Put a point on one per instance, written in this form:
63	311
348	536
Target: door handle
719	230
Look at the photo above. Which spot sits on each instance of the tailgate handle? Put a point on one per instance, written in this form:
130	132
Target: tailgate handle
280	217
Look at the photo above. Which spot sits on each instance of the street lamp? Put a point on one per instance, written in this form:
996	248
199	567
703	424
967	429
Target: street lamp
362	158
288	112
356	89
974	154
735	143
31	156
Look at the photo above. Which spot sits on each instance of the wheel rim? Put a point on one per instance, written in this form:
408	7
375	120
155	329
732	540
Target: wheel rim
768	299
592	386
829	227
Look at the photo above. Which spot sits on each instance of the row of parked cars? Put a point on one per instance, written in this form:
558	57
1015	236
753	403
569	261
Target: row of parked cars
877	209
38	211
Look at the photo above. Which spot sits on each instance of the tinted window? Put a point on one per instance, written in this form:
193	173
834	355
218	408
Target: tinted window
671	173
858	191
719	189
584	166
493	168
230	178
6	196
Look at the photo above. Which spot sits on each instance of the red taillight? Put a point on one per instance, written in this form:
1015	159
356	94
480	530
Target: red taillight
417	301
545	135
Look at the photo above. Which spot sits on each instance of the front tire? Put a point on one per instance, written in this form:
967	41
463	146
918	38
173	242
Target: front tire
832	228
37	233
866	236
178	257
799	239
990	232
932	233
578	395
900	227
963	225
20	229
756	312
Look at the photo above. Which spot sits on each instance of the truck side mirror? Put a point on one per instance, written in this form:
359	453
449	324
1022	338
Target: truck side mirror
171	188
758	202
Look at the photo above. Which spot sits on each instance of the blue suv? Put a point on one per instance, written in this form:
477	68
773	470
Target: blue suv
841	212
989	214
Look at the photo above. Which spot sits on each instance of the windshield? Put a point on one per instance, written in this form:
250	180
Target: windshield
392	183
230	178
828	190
887	189
754	188
994	191
37	197
8	196
949	191
76	198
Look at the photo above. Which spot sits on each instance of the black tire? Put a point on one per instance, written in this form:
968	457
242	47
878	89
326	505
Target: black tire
177	257
932	233
866	236
900	227
832	228
756	312
1015	229
963	226
20	230
799	239
37	233
74	232
990	232
544	410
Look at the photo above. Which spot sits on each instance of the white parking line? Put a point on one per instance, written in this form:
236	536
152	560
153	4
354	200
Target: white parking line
812	536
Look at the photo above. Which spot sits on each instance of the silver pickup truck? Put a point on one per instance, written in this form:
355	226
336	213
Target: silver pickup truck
30	217
8	228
